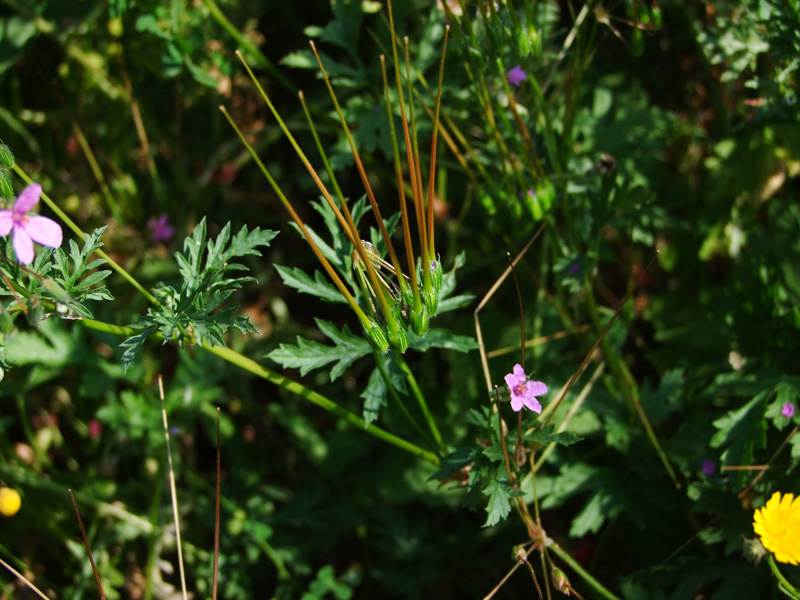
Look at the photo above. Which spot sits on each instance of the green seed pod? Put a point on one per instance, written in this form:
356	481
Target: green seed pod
436	274
377	337
400	312
6	157
431	298
6	187
399	340
420	321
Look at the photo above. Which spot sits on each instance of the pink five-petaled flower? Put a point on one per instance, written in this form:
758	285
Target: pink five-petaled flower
516	76
524	392
29	228
787	410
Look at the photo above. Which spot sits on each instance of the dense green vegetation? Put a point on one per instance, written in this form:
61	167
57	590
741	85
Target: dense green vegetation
640	159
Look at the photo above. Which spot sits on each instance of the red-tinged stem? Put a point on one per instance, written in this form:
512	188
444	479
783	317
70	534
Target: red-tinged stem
359	165
300	153
431	248
365	321
400	188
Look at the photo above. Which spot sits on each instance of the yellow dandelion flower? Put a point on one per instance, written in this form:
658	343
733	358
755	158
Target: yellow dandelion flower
778	525
9	501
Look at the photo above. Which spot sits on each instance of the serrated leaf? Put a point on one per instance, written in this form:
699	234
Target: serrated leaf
376	392
742	431
308	355
498	506
374	396
134	344
319	286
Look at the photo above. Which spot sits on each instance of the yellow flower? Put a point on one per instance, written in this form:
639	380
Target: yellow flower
9	501
778	525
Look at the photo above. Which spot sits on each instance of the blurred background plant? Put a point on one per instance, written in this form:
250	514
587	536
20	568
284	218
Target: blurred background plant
638	127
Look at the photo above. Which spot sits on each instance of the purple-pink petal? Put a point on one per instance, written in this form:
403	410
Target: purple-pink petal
516	403
519	373
6	222
787	410
532	403
511	381
23	245
44	231
536	388
28	198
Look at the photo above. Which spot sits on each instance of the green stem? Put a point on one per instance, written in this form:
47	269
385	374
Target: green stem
97	172
412	382
575	566
294	387
785	586
77	231
399	401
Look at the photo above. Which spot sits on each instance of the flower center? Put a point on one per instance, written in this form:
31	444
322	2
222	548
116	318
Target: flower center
519	390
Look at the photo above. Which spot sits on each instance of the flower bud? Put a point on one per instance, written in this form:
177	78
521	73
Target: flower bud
6	187
6	157
754	550
560	580
377	337
420	320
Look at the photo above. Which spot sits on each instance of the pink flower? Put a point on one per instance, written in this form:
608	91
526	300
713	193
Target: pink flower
708	466
787	410
524	392
28	229
160	228
516	76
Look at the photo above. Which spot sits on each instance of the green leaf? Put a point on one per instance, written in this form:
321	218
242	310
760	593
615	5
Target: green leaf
742	431
75	275
197	306
499	506
319	286
376	392
456	460
441	338
545	437
308	355
374	396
